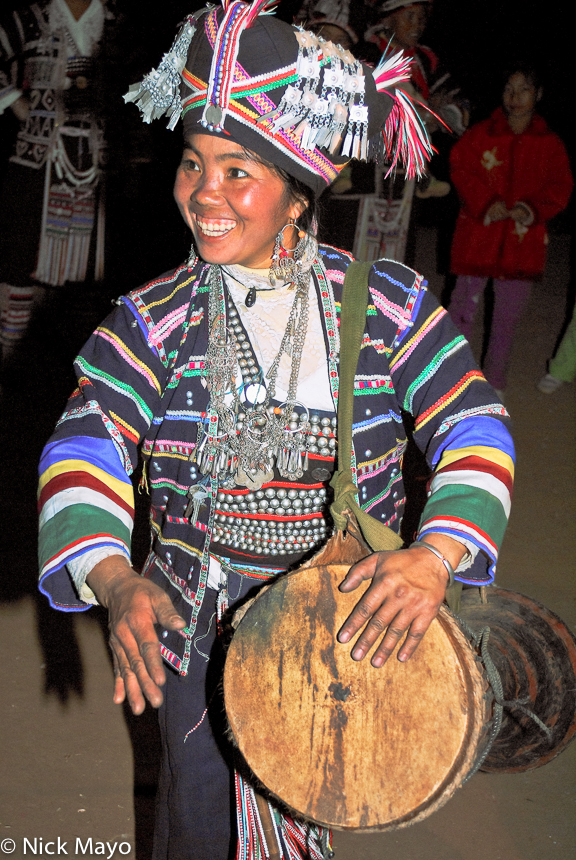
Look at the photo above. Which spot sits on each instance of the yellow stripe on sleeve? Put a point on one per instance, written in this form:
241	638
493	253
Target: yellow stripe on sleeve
124	424
135	360
494	455
124	490
415	336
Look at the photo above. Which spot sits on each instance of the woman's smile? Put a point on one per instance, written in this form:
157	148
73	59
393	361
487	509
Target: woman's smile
213	226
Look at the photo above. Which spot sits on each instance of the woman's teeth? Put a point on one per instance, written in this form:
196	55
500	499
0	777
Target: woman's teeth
215	228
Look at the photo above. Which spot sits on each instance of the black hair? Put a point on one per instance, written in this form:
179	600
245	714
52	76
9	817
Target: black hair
299	191
522	67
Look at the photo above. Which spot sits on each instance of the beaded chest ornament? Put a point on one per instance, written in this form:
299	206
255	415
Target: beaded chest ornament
242	441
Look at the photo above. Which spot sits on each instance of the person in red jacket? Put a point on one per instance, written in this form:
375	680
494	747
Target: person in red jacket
512	175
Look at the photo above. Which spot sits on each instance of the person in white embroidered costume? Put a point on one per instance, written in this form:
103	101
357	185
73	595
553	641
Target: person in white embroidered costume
50	214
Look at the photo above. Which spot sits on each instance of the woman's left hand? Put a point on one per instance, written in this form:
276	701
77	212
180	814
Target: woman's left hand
407	589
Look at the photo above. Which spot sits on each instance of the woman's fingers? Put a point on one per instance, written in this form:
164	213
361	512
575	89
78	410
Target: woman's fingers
119	689
402	600
126	685
166	615
135	643
370	602
139	666
413	631
135	606
360	572
391	621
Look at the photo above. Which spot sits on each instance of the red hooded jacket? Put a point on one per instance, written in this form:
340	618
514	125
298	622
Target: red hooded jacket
491	163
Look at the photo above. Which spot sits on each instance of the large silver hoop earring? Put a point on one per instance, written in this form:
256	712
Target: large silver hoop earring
286	261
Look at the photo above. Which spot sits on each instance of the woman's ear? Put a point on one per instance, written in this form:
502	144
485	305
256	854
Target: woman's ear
298	207
539	94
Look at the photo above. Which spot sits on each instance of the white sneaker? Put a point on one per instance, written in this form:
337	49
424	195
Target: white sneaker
549	384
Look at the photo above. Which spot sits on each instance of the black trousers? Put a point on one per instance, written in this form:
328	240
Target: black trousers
195	808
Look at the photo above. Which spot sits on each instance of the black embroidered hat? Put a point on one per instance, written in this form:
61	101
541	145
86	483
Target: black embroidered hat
295	99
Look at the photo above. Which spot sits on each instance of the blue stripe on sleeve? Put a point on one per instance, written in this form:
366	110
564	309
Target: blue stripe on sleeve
479	430
99	452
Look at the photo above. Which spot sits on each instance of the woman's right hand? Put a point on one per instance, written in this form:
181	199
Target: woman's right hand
496	212
134	606
21	109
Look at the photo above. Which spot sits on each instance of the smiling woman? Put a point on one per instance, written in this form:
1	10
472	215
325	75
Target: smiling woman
224	375
233	203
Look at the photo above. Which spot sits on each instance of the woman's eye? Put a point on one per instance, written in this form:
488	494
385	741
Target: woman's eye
238	173
190	164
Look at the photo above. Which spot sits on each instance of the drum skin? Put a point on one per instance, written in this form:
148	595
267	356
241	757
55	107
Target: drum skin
535	655
338	741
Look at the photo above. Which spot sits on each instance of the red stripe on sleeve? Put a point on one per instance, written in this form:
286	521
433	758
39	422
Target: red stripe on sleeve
479	464
70	480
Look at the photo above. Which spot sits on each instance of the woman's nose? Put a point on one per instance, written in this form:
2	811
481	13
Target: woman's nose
207	188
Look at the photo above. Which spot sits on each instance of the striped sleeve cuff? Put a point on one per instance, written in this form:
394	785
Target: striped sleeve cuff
85	504
470	498
80	567
8	96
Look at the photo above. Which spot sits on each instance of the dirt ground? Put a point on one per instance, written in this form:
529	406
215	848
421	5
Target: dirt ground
75	767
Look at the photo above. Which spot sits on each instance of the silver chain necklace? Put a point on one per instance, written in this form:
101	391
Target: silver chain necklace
241	443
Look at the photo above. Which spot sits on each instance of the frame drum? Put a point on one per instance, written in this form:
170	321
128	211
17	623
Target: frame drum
340	742
534	653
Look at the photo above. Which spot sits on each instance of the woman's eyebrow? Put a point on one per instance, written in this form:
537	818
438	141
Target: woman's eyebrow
239	155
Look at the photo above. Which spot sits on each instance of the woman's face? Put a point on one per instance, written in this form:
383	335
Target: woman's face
234	206
520	97
408	24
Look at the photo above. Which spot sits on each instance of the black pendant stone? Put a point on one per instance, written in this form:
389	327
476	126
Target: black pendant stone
250	298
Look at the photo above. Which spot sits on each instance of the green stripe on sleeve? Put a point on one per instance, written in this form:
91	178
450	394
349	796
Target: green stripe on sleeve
76	523
478	507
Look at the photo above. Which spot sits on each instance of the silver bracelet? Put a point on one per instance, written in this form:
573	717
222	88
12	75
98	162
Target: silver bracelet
438	555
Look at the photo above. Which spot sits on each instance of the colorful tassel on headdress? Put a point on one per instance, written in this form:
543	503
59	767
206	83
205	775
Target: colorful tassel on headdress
405	140
257	7
238	16
392	70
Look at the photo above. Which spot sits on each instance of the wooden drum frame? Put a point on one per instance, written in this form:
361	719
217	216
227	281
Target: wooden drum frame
534	653
340	742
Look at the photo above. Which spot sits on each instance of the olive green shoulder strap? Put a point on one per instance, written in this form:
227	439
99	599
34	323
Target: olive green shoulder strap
352	324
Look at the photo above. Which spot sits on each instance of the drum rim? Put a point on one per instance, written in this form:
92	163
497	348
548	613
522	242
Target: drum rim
475	737
564	635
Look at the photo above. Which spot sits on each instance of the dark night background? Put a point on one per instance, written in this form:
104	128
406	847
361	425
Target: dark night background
475	40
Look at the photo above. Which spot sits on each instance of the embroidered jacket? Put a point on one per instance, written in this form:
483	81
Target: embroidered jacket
491	163
61	90
140	387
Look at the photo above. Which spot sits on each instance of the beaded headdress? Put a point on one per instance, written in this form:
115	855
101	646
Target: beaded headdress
296	100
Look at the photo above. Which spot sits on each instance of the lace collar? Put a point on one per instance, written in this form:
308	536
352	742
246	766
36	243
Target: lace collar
87	32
